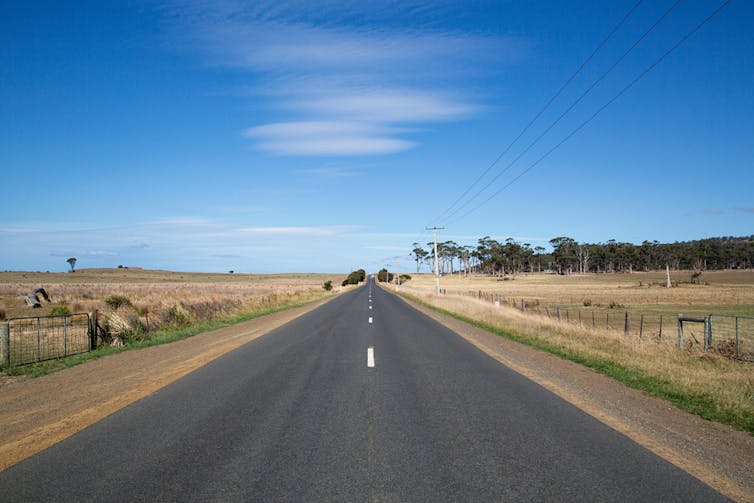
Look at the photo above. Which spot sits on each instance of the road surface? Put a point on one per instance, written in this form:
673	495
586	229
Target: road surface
363	399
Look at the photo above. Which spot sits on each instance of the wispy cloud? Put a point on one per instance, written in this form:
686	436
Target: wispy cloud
746	209
326	138
339	86
713	211
302	231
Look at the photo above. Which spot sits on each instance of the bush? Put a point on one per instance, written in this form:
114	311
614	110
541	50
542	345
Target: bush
383	275
328	285
177	315
60	308
355	277
117	300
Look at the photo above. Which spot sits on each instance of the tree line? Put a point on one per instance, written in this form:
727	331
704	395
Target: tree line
569	256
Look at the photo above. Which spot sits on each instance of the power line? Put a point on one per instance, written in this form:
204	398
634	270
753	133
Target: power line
604	106
545	107
570	107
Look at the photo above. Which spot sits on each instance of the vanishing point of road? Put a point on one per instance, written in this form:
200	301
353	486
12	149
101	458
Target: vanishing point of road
362	399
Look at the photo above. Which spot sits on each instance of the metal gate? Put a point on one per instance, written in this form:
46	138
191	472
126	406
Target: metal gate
38	338
732	335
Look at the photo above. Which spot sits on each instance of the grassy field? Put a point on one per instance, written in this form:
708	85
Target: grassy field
704	383
135	306
150	290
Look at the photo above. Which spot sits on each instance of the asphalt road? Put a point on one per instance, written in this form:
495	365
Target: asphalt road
298	415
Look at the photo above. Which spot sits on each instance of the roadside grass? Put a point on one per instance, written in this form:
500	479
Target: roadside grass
163	336
708	385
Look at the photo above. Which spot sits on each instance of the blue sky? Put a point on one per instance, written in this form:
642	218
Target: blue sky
325	136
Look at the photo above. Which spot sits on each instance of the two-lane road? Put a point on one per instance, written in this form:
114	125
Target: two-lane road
300	415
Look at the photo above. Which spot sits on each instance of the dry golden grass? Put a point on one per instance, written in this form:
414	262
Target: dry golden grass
721	291
708	384
151	291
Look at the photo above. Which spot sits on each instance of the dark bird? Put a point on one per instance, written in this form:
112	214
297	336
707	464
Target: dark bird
32	300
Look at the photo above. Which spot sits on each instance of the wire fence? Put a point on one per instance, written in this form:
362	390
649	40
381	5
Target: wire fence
728	335
732	335
39	338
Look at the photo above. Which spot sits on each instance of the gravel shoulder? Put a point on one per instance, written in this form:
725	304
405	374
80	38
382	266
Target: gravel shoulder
37	413
718	455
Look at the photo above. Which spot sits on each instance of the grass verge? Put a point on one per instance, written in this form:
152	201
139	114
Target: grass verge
155	338
708	403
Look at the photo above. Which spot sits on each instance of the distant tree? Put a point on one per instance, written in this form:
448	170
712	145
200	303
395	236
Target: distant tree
384	276
328	285
72	262
420	255
231	271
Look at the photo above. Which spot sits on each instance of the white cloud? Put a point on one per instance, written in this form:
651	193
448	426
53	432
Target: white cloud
318	65
326	138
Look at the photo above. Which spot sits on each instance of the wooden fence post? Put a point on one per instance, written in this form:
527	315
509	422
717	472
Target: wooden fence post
93	330
680	332
626	325
660	327
5	344
523	305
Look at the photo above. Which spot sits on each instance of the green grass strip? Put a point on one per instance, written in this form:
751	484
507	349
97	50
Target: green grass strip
701	404
155	338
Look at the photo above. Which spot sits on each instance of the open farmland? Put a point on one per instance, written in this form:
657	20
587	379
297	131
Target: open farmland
725	292
150	291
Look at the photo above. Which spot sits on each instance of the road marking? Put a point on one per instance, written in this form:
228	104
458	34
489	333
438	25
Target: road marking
370	356
370	319
370	307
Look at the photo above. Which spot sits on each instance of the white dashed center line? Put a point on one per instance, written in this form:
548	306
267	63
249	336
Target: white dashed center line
370	356
370	319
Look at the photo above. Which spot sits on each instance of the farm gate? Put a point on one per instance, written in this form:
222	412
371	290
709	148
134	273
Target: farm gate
38	338
732	335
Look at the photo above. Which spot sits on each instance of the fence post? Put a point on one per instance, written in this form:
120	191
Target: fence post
523	305
39	338
593	322
641	325
660	327
5	344
558	313
707	332
680	333
92	330
626	325
736	336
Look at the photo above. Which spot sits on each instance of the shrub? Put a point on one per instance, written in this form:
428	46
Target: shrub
355	277
328	285
117	300
60	308
177	315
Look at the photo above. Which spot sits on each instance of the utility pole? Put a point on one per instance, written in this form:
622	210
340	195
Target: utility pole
437	265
